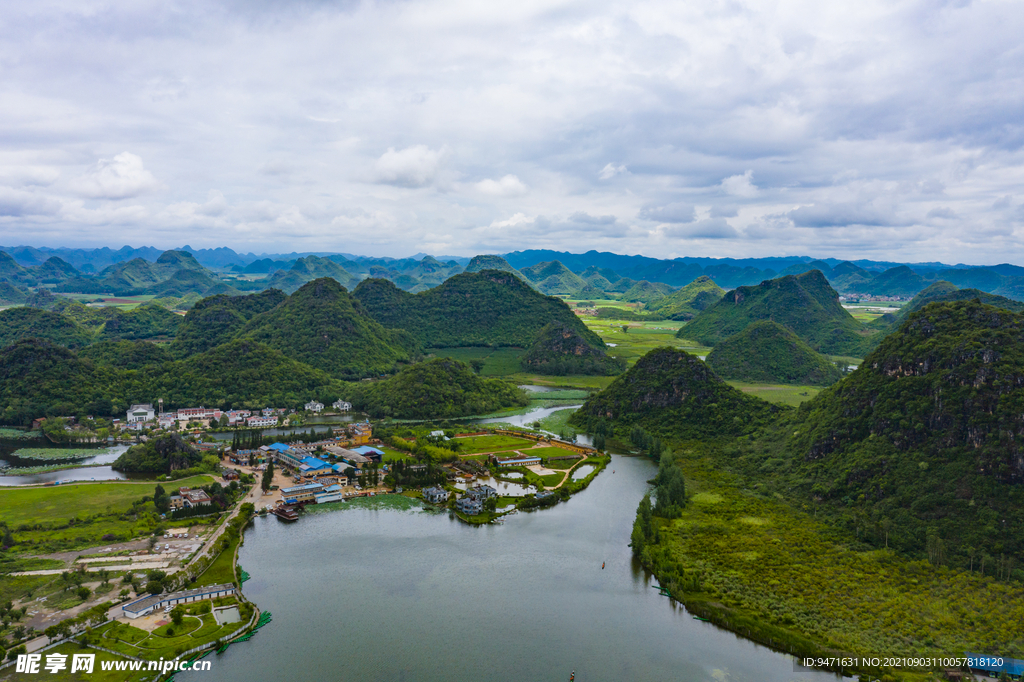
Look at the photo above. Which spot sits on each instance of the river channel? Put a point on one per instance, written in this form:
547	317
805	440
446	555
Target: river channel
414	595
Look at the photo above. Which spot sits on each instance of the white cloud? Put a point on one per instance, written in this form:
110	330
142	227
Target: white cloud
740	185
670	213
119	178
414	166
508	186
17	203
711	228
611	170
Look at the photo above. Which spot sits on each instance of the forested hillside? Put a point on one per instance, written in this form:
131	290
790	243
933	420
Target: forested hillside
673	393
488	308
217	319
561	350
436	389
768	352
686	303
805	304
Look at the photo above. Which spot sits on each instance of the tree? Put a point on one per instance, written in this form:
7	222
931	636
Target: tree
268	476
477	365
154	587
178	614
84	592
161	499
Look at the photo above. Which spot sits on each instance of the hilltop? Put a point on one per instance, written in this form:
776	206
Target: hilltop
686	303
162	455
217	319
669	391
767	352
488	308
325	327
554	278
805	304
561	350
436	389
646	292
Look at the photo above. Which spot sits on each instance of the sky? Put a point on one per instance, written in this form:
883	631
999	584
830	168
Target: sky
882	130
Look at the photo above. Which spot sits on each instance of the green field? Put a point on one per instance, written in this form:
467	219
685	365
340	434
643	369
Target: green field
867	312
472	445
122	302
390	454
641	337
498	362
58	453
574	381
546	452
557	422
167	640
778	393
63	502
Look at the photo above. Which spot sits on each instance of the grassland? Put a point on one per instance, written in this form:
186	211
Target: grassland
573	382
169	640
558	422
639	338
122	302
778	393
63	502
57	453
770	571
498	362
868	312
472	445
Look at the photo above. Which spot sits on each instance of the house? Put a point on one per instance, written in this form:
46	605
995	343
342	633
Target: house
261	422
341	406
439	435
470	504
177	502
435	495
484	491
141	413
313	406
193	497
372	454
141	607
311	467
518	461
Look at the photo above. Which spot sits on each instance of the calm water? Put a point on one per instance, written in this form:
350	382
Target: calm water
86	473
527	417
362	594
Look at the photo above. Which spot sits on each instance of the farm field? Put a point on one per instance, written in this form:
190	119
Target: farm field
122	302
641	338
62	502
778	393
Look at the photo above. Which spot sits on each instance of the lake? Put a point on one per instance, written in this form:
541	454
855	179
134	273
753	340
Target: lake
413	595
88	471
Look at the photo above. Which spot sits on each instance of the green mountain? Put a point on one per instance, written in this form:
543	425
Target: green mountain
181	283
898	281
17	324
488	308
554	278
491	262
598	282
171	262
11	295
606	274
686	303
767	352
146	321
590	293
9	269
217	319
161	455
805	304
621	286
947	292
923	443
306	270
54	270
125	354
801	268
671	392
646	292
1012	287
437	389
848	278
561	350
325	327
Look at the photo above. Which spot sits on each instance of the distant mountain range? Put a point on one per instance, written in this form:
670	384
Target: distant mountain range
189	273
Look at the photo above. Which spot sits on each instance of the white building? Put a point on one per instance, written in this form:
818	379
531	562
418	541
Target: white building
314	406
342	406
260	422
141	413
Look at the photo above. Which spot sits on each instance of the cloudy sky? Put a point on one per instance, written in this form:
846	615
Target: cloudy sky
884	130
